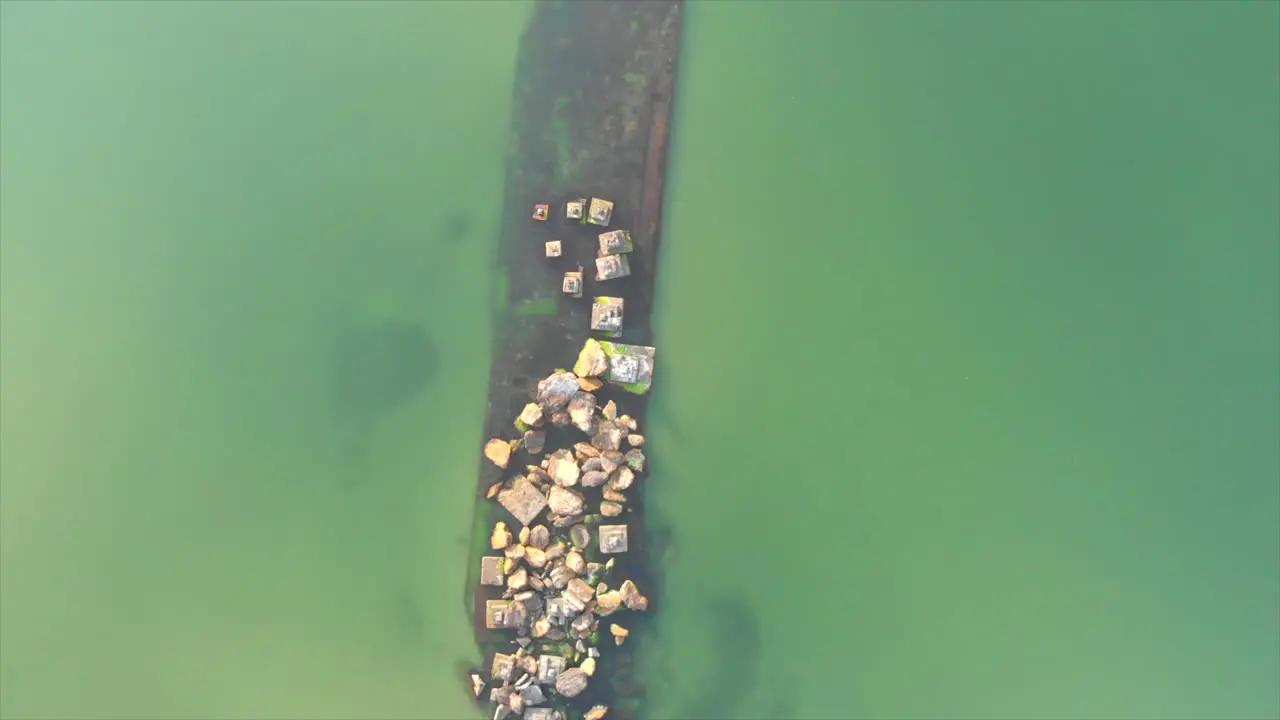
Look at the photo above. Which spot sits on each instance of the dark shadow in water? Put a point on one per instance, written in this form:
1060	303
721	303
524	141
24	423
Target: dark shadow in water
375	369
456	228
732	687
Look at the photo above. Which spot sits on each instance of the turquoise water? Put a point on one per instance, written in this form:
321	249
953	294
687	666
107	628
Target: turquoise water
970	364
195	197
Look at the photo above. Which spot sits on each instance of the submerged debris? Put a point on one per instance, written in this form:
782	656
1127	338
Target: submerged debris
611	267
615	242
575	209
541	211
572	285
555	248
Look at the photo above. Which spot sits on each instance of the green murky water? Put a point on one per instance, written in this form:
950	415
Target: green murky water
971	362
193	195
979	417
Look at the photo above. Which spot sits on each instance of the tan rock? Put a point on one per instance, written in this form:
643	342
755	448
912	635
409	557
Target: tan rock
535	558
518	579
575	563
610	509
614	496
596	713
524	535
608	603
563	469
589	666
632	598
541	627
590	384
501	536
515	551
531	415
635	440
629	423
619	633
610	410
499	451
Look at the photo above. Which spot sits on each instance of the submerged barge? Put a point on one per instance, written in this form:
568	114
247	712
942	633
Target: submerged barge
557	581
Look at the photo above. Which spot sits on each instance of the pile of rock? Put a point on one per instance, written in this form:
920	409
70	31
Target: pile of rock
554	595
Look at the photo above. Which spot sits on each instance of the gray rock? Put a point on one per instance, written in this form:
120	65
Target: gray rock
549	668
564	521
571	683
539	537
535	441
523	500
592	463
533	695
555	390
582	624
565	502
595	478
608	436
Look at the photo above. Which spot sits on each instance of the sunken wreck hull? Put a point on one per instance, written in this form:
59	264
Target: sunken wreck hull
591	115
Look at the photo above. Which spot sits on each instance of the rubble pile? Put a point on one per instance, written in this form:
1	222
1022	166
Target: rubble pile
555	565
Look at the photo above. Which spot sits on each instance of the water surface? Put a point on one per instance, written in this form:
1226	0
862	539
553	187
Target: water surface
971	362
191	192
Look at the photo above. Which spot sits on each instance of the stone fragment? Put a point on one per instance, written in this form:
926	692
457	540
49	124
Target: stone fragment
499	451
563	501
613	496
555	390
578	594
539	537
571	683
629	423
635	459
595	478
575	563
622	479
523	537
531	416
610	509
535	441
560	576
541	627
563	469
580	535
590	384
582	624
535	558
491	570
613	539
518	579
493	491
597	712
619	633
610	410
549	668
582	411
583	451
608	603
523	500
533	696
503	667
632	598
588	666
477	684
555	550
592	361
501	536
608	436
635	440
514	551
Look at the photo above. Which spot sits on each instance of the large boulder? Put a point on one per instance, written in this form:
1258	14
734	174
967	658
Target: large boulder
555	390
571	683
565	502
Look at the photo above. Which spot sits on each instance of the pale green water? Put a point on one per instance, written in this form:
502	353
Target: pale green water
188	191
970	364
